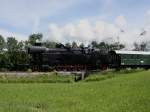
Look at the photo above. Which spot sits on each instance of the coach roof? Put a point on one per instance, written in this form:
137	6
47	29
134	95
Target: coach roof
132	52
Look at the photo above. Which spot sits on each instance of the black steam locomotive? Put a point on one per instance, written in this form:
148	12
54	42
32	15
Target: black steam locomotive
64	58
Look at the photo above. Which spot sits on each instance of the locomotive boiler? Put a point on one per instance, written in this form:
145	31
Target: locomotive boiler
64	58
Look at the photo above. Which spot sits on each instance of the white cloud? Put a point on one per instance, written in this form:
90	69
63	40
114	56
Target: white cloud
108	3
147	17
121	22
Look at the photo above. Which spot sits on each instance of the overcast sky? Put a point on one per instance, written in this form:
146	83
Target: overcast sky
76	20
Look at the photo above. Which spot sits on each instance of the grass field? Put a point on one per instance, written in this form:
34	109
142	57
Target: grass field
109	92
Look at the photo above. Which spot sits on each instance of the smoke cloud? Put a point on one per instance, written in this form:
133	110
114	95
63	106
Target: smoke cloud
86	31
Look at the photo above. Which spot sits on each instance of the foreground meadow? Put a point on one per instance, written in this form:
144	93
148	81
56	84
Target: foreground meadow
128	92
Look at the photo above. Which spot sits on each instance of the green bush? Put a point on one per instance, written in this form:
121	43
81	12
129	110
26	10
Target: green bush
41	78
110	73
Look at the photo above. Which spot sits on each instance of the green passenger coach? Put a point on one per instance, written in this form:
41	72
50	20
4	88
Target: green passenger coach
134	58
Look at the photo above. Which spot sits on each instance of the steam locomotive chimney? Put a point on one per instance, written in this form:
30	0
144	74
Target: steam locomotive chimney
38	44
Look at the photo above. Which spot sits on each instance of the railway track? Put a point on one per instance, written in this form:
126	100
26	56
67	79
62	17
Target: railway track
24	73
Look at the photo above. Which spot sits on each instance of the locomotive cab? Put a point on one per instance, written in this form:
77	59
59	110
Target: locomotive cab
114	59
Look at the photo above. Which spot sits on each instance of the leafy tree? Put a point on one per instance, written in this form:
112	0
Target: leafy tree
68	45
15	54
106	46
12	48
74	45
136	47
35	37
21	45
3	56
2	43
81	45
12	44
3	60
143	46
94	44
103	46
116	46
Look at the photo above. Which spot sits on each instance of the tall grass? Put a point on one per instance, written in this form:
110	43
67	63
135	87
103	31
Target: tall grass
110	73
39	78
